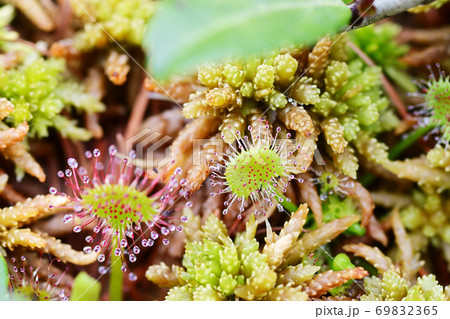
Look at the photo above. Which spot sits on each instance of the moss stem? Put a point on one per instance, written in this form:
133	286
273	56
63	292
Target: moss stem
398	149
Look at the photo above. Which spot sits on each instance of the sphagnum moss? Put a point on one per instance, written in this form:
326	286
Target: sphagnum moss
325	97
218	268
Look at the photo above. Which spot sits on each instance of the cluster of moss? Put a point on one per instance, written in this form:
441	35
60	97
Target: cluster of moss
379	43
290	266
439	157
39	92
343	96
235	89
39	88
353	95
392	287
217	268
335	207
123	21
428	218
325	92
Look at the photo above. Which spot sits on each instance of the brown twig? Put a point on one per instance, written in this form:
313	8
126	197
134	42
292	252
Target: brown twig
137	113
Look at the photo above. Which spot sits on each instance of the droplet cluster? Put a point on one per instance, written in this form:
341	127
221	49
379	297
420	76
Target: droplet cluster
25	283
258	170
124	206
435	110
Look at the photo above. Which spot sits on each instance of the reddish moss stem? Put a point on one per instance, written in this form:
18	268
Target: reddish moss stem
137	113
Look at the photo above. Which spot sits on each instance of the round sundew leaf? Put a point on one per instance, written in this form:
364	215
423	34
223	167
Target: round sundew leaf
252	170
186	33
121	205
437	99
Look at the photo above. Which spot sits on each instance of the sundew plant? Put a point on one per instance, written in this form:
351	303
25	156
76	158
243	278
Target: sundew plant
238	150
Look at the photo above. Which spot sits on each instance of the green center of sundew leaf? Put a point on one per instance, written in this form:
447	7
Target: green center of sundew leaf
438	99
329	182
27	292
253	170
121	205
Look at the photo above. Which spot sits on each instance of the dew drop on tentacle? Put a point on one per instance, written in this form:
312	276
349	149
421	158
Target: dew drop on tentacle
101	258
132	276
165	231
154	235
77	207
102	270
96	152
67	218
72	163
112	150
129	233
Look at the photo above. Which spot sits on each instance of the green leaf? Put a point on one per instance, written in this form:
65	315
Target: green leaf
85	288
4	279
186	33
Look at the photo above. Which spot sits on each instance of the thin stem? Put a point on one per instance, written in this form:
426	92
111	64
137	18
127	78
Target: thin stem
404	144
115	278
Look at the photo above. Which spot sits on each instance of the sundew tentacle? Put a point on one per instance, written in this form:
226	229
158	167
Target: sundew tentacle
25	283
435	110
126	205
256	168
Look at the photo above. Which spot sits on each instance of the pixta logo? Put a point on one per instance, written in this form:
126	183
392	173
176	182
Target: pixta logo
148	146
